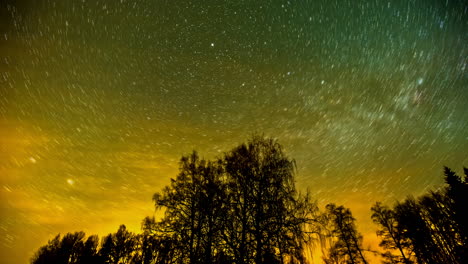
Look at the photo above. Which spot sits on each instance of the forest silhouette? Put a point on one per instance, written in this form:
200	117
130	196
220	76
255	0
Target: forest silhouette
244	208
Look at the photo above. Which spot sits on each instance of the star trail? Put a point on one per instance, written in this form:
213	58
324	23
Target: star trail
99	100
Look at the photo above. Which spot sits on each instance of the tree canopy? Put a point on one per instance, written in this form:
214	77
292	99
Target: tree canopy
244	208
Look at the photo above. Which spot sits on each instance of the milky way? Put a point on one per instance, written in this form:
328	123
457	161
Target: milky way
99	100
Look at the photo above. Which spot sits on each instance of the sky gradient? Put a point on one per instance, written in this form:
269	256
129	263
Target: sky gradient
100	99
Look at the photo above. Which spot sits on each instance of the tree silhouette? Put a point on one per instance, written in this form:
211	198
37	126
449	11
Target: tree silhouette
266	215
89	252
457	192
244	208
66	250
48	253
193	206
156	247
107	250
416	230
433	226
347	247
391	234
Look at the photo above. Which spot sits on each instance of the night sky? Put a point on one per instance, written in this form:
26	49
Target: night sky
100	99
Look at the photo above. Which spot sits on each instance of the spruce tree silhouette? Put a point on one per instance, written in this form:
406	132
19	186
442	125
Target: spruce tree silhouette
430	228
457	191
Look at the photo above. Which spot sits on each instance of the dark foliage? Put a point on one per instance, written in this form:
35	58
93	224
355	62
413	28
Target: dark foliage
392	235
240	208
244	208
429	229
347	246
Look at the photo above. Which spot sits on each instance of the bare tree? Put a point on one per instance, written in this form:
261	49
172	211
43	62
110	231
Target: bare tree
193	205
347	247
391	234
266	215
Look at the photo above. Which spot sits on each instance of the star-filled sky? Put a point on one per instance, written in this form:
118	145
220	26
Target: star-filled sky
99	100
